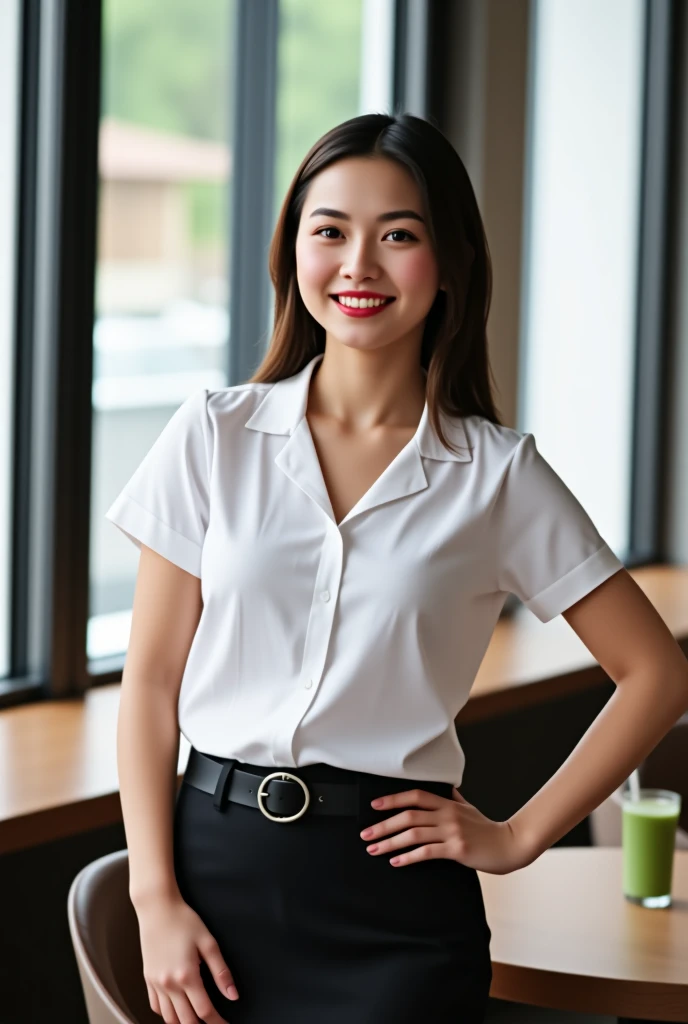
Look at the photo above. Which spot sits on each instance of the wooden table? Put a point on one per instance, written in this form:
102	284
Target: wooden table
58	770
564	937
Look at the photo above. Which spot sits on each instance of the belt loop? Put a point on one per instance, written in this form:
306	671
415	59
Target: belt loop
220	796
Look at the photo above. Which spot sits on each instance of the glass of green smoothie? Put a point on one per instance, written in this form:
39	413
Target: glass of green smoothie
648	839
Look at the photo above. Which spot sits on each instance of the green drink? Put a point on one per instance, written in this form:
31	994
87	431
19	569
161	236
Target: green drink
648	841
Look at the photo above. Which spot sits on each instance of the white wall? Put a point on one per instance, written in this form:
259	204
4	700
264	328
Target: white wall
581	249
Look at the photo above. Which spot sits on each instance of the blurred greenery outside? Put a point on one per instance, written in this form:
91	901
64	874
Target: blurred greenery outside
167	65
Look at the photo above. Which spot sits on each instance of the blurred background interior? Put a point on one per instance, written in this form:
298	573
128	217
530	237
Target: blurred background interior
145	148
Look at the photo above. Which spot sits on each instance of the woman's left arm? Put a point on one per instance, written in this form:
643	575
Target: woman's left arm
624	632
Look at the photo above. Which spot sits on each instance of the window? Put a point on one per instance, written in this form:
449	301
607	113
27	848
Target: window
162	318
133	255
335	61
163	309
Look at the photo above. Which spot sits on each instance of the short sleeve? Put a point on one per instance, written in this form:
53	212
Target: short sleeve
165	504
549	552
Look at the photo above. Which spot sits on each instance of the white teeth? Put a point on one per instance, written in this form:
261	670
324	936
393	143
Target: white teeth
347	300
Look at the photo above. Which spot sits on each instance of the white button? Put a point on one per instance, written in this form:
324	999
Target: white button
308	684
325	595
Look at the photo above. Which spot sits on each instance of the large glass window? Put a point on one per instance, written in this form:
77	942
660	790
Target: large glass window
581	261
162	309
335	61
162	305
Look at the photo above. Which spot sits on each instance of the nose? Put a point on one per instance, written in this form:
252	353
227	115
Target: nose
360	262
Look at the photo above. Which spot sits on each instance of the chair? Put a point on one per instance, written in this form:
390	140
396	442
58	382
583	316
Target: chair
105	935
665	767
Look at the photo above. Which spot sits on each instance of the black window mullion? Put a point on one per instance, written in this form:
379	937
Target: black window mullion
650	420
413	45
38	256
24	683
253	156
80	125
54	349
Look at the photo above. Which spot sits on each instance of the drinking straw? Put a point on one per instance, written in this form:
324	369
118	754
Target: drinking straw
634	784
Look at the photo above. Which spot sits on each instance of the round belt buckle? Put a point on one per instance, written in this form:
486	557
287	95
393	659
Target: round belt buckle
262	795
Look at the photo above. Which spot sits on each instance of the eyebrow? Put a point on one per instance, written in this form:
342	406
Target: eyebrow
391	215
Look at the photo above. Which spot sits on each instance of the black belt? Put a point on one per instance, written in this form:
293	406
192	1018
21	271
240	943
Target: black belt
281	796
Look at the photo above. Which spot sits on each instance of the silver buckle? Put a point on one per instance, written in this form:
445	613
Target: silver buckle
262	795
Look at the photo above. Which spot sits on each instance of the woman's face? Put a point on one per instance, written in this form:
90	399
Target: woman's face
356	247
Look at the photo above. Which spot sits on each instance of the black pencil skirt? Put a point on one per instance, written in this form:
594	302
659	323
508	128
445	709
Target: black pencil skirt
316	930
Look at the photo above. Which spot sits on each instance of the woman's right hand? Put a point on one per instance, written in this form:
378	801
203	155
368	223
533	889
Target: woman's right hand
174	939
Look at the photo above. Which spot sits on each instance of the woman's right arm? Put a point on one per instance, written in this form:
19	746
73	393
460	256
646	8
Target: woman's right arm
165	615
166	610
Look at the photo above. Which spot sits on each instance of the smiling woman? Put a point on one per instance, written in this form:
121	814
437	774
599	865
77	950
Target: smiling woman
354	518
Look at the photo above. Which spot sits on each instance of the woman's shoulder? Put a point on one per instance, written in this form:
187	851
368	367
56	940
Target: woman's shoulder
489	441
238	401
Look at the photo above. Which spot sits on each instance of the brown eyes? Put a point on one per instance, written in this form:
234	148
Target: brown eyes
397	231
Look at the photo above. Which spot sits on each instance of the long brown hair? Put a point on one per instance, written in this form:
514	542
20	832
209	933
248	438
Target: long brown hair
454	345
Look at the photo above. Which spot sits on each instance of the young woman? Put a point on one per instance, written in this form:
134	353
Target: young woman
325	551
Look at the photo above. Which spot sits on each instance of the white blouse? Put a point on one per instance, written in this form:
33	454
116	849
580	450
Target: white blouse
354	644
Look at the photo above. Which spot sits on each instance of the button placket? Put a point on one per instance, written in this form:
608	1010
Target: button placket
318	633
322	609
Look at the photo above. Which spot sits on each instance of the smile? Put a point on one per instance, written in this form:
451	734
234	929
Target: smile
358	311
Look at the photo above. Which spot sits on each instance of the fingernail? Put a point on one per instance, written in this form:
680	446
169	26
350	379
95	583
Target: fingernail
377	803
232	992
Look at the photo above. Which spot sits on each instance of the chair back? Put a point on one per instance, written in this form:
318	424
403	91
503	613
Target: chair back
105	935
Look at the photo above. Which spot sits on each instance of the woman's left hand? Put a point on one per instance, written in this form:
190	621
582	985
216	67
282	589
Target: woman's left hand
451	828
